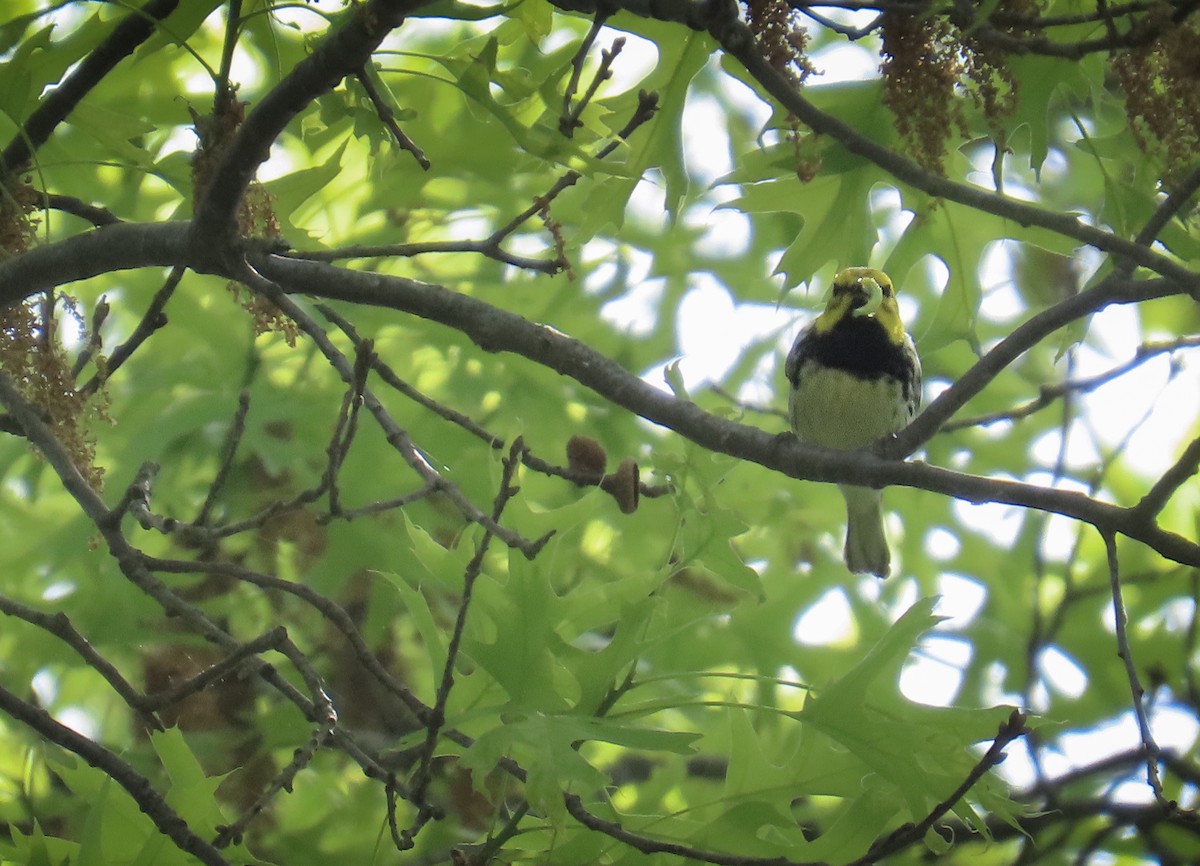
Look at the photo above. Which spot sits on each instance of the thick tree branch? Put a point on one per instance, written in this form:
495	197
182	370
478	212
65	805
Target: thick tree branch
339	55
720	19
497	330
133	30
134	245
119	247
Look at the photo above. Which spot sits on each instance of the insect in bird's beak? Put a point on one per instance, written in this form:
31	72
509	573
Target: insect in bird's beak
874	297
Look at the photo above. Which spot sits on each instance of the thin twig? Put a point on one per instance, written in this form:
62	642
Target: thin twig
437	715
347	423
152	320
94	341
486	247
60	625
906	836
388	375
166	819
388	117
1125	653
1047	394
569	121
491	246
216	672
229	448
224	90
326	722
1164	488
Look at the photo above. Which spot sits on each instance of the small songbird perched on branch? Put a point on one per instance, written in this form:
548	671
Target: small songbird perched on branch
855	376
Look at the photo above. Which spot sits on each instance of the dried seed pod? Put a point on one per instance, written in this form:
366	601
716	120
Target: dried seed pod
623	485
586	456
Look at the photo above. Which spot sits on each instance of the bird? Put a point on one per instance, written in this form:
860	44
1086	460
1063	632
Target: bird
854	376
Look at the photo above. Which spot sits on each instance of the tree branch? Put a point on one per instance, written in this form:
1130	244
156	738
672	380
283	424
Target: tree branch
1125	652
132	245
134	29
118	247
720	19
165	818
1112	290
496	330
60	625
338	55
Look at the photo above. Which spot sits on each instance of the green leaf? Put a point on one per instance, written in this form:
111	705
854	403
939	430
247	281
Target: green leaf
91	847
291	191
521	647
417	608
193	793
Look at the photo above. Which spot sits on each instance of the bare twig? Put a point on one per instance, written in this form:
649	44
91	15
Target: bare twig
1161	491
153	319
229	449
94	341
486	247
568	122
1047	394
906	836
379	507
166	819
388	117
1125	653
60	625
437	715
492	245
388	375
347	423
326	722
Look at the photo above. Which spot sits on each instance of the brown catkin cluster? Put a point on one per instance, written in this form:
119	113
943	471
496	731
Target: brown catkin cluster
780	37
256	215
31	353
784	43
1161	81
932	71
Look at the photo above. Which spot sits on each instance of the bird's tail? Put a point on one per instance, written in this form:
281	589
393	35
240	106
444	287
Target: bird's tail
866	545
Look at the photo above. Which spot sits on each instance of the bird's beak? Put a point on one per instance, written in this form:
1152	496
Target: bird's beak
868	295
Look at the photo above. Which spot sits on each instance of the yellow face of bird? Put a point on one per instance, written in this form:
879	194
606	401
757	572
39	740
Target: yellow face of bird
862	292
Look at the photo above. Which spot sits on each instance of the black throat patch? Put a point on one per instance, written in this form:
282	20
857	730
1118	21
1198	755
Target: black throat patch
858	345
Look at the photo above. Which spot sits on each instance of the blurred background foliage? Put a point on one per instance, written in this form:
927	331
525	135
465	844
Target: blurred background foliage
702	670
